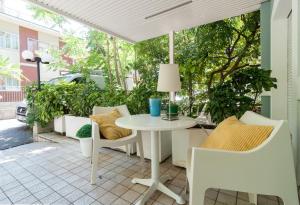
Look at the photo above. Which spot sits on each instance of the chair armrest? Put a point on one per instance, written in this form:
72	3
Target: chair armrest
134	132
205	157
95	133
218	167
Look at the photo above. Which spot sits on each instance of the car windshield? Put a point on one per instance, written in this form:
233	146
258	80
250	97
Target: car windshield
60	79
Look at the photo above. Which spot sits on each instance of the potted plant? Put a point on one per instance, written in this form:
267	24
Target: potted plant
84	134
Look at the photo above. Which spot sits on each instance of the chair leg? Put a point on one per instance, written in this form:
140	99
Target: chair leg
141	149
127	149
186	188
95	156
252	198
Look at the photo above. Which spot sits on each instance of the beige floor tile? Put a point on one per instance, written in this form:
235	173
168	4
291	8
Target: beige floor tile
121	201
60	172
130	196
127	182
226	199
244	196
228	192
164	199
109	185
262	200
211	193
97	193
119	190
208	201
139	188
108	198
242	202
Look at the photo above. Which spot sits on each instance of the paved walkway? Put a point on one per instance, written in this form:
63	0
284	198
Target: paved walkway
14	133
57	173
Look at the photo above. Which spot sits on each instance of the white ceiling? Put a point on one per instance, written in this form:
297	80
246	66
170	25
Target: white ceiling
127	18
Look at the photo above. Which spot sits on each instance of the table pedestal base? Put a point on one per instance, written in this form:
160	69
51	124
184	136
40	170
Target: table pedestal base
153	186
156	182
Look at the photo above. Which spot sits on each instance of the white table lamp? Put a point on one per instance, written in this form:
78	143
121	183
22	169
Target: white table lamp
168	78
168	81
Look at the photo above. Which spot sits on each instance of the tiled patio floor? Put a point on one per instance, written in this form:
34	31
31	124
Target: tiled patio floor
57	173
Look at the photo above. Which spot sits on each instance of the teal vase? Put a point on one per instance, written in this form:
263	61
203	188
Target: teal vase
155	106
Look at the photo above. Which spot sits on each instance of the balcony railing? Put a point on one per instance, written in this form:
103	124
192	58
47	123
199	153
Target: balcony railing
12	95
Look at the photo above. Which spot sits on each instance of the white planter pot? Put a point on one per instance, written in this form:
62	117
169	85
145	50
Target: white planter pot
182	140
165	144
86	146
59	124
74	123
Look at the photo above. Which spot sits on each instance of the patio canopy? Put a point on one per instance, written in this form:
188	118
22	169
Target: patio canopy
137	20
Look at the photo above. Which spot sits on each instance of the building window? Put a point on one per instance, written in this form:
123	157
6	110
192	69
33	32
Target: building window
9	84
32	44
39	47
9	40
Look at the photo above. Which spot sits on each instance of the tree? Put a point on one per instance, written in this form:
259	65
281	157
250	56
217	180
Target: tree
229	46
210	54
9	70
239	93
48	17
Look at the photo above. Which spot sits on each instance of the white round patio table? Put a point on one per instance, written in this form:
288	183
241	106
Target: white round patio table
155	124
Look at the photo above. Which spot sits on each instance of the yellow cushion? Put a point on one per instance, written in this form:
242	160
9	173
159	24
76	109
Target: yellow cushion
231	134
108	127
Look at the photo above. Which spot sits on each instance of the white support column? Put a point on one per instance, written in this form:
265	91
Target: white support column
171	57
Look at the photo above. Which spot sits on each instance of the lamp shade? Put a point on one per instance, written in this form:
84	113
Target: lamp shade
168	78
27	55
46	58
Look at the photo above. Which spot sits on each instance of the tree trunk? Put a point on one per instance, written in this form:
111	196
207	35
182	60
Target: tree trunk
116	62
108	60
190	94
121	70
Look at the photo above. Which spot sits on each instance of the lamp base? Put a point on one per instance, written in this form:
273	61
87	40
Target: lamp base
169	118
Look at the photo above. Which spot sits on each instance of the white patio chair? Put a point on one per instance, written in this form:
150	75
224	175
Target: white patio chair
99	142
267	169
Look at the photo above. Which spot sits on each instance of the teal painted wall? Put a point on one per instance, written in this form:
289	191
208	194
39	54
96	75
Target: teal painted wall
265	22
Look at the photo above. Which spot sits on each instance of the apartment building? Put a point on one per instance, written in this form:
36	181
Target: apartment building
17	35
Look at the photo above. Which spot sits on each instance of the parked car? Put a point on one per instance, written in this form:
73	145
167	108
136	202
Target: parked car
99	79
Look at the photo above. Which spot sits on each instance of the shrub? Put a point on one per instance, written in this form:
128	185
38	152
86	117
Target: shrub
239	94
56	100
79	99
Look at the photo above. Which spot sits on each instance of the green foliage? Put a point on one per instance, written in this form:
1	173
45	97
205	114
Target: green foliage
210	58
83	98
48	17
47	103
56	100
79	99
9	70
239	94
85	131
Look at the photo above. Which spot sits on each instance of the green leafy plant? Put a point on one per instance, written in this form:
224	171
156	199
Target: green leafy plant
83	98
239	94
57	100
85	131
46	104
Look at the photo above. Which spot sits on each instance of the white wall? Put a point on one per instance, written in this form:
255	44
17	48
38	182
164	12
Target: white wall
12	54
279	68
46	73
296	63
279	38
